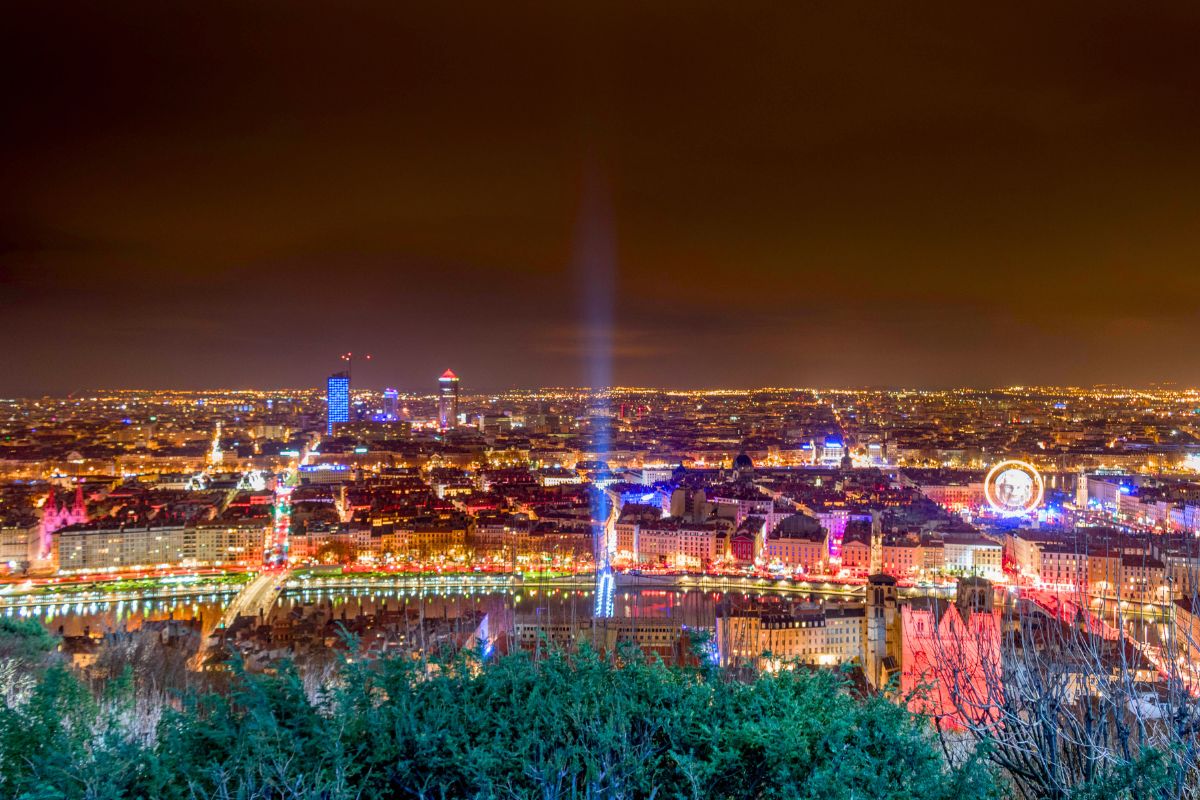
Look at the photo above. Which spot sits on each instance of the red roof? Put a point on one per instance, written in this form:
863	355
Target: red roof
448	375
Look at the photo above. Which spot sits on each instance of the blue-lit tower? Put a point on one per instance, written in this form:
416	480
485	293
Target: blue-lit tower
391	404
337	396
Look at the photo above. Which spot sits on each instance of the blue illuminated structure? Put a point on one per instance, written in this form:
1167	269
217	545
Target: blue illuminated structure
324	467
337	395
606	585
391	404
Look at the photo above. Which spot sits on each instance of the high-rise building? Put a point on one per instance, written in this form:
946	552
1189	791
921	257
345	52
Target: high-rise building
447	400
391	404
337	395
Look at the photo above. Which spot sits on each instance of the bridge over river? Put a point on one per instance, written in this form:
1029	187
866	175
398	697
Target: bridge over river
254	600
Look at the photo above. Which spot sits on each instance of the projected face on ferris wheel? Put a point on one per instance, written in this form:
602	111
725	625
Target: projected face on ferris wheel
1013	488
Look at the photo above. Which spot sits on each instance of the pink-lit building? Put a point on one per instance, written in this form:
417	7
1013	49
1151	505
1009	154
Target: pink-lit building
56	516
951	655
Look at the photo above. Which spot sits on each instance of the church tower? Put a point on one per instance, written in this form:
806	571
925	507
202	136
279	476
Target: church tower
882	659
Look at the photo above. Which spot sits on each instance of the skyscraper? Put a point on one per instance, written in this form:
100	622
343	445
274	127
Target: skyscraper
447	400
337	396
391	404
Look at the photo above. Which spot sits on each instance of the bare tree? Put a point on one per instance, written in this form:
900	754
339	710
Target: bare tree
1066	693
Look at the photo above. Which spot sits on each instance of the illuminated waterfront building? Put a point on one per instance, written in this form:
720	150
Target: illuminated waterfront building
447	400
667	639
772	639
681	544
972	554
797	543
901	555
90	549
337	396
856	551
20	543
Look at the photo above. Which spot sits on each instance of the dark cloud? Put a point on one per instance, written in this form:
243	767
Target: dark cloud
231	193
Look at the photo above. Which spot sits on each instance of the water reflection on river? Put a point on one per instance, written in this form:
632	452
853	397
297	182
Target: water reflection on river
98	618
547	603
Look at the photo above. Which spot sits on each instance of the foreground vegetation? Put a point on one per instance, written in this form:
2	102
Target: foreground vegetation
464	727
512	728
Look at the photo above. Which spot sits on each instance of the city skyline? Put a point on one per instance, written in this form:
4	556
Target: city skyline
609	400
405	390
789	197
874	539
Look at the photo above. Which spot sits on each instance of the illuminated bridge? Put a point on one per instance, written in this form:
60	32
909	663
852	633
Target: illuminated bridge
606	545
254	600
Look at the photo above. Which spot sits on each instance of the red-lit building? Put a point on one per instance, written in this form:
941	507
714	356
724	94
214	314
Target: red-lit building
951	655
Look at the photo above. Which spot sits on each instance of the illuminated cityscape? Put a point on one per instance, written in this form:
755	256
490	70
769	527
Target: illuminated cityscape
1087	491
787	528
600	402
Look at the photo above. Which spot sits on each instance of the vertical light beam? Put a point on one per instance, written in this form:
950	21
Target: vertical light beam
594	265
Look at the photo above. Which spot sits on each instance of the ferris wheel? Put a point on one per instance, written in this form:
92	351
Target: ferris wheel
1014	488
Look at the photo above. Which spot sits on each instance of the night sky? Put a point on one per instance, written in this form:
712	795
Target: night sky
207	194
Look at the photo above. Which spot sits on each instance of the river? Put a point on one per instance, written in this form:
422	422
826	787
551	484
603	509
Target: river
551	601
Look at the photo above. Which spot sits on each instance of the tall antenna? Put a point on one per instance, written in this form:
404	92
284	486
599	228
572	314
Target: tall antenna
349	359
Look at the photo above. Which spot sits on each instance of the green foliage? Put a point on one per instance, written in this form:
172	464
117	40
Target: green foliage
147	586
25	641
43	740
566	727
1149	774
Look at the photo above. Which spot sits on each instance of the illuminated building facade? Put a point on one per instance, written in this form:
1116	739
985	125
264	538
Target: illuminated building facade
774	639
856	552
337	396
798	543
91	549
56	516
971	554
447	400
20	543
391	404
956	496
954	649
680	544
832	451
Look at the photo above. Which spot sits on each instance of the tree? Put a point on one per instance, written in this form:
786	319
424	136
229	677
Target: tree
336	552
574	726
25	641
1069	705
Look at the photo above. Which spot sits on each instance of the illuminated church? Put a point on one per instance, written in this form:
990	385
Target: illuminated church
56	517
